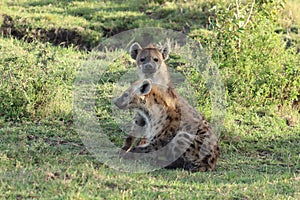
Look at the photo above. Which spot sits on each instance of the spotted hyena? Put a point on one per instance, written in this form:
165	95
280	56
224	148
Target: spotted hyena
172	125
151	64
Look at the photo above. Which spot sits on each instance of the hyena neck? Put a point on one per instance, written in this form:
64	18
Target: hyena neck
161	77
162	110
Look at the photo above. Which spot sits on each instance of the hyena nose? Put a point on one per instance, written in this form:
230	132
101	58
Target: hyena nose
148	66
117	102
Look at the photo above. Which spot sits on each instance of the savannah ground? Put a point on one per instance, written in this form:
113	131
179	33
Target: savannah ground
43	43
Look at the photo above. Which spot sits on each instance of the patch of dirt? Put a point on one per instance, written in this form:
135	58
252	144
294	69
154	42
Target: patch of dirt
108	32
57	36
110	185
52	176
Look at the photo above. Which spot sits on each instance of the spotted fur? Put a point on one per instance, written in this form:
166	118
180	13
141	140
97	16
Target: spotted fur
151	64
172	125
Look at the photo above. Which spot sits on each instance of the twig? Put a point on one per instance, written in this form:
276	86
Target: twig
250	13
237	9
238	18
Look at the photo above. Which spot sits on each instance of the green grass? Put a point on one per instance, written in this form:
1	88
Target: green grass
84	23
48	160
37	78
43	157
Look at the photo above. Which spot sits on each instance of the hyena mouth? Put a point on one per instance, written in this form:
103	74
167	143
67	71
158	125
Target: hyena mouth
149	71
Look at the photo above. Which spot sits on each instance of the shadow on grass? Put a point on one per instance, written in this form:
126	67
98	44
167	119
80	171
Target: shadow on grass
57	36
102	22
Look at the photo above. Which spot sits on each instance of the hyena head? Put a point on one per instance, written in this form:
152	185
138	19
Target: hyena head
150	60
146	95
134	96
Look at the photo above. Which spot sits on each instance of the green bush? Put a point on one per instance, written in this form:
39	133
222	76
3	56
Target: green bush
257	67
36	80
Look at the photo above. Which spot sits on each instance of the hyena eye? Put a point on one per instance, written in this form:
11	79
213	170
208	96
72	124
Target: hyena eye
155	59
125	95
142	59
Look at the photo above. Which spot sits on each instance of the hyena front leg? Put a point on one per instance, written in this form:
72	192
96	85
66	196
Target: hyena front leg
137	126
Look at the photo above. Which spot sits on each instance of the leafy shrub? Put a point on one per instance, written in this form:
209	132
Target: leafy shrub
36	80
257	68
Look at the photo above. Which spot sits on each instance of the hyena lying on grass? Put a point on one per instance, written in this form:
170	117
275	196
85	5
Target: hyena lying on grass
173	124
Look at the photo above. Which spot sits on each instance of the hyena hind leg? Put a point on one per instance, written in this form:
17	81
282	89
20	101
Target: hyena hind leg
208	163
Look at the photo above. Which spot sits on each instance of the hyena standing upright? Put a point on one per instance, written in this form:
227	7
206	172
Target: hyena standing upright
173	124
151	65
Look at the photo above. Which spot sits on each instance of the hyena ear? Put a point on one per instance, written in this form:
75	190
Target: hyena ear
145	87
165	51
135	48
